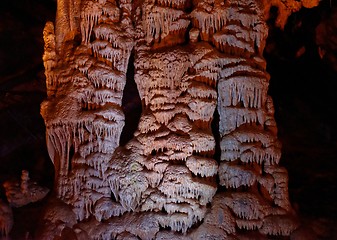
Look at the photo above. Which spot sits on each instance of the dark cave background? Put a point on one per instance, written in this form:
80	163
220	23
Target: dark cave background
302	62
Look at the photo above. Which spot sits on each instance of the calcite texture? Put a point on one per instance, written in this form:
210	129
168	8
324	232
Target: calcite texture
191	60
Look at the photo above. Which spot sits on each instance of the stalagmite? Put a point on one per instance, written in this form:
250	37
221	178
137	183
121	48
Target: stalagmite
20	193
6	219
190	59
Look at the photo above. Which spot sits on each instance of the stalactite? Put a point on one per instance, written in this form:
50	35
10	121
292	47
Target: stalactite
91	10
86	113
244	107
189	61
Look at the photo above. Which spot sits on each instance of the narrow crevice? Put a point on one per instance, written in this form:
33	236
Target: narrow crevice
131	104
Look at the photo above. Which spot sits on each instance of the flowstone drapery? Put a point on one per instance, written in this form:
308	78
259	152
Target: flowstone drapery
190	58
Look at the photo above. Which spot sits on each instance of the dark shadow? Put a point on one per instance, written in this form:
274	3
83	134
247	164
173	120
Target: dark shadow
131	104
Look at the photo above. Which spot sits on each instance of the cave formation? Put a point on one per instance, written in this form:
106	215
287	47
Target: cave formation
194	63
189	60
